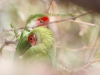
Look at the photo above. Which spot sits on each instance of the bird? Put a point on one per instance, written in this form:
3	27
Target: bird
36	21
23	44
32	40
42	45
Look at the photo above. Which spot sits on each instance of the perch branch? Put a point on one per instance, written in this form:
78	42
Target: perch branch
68	19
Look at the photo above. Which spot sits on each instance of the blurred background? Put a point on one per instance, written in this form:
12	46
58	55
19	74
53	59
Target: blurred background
76	42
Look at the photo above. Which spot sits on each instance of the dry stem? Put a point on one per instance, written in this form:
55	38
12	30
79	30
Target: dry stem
6	43
68	19
49	6
87	65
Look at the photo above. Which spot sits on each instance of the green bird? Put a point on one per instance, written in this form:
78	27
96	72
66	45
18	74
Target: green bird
36	21
42	45
32	22
25	49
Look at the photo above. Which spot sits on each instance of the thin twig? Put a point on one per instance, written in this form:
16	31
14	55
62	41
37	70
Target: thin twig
69	19
87	65
85	23
72	18
2	48
13	29
9	42
6	43
49	6
79	49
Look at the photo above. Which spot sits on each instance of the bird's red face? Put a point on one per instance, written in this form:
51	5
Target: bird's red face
43	21
32	39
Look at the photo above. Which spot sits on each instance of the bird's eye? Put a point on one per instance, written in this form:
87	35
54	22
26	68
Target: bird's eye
30	38
41	21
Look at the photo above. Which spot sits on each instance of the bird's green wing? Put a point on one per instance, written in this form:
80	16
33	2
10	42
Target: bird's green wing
22	45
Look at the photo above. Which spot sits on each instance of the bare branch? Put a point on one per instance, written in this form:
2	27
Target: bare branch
68	19
6	43
87	65
9	42
49	6
1	48
79	49
85	23
72	18
13	29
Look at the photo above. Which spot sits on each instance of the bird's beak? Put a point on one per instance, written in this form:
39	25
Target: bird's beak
33	43
40	24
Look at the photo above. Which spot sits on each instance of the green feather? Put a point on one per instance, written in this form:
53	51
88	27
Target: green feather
22	45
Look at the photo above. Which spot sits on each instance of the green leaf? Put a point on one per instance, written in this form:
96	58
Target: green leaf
15	31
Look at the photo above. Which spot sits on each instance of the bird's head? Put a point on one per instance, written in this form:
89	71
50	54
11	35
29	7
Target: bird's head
42	21
37	20
32	39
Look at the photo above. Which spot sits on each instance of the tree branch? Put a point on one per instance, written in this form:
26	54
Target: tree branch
85	23
6	43
72	18
87	65
49	6
68	19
